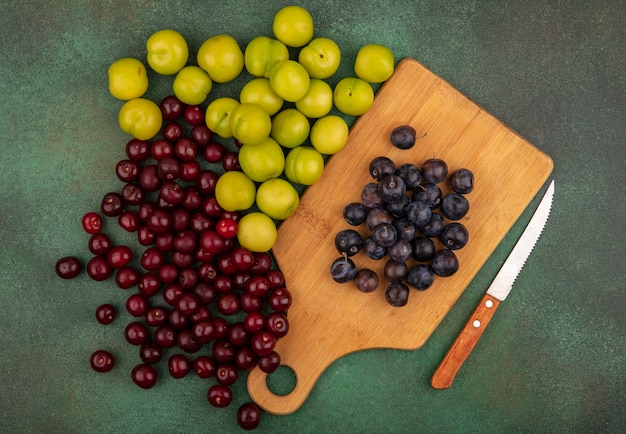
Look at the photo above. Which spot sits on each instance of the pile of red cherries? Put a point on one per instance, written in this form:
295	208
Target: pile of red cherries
212	306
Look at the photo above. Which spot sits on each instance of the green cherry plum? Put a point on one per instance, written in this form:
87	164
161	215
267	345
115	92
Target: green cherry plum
318	101
374	63
277	198
262	53
221	57
192	85
217	116
250	124
262	161
128	79
289	80
234	191
321	57
141	118
353	96
258	91
167	51
304	165
329	134
256	232
290	128
293	25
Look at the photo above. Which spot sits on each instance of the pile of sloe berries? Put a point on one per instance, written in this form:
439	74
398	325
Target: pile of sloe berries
410	224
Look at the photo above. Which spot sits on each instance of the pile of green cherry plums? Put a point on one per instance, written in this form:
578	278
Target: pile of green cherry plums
282	117
407	221
205	181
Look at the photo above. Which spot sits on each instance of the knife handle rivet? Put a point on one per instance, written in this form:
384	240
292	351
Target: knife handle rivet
489	303
476	323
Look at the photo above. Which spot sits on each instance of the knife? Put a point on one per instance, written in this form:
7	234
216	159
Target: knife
497	292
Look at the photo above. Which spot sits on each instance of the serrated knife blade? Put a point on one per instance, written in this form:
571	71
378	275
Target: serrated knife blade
498	291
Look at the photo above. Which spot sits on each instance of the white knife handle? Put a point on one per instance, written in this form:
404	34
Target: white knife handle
464	343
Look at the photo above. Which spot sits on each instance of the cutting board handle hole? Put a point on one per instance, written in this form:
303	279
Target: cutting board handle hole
282	381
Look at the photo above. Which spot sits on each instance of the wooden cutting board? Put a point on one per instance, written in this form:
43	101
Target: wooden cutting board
328	319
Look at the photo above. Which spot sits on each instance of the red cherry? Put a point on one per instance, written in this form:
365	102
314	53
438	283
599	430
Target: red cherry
68	267
92	223
220	395
102	361
105	313
249	416
137	150
172	131
201	134
214	152
179	365
204	366
171	107
137	305
119	256
144	376
98	268
226	227
263	343
194	115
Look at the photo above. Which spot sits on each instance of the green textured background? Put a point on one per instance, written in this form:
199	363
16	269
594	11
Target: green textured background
552	360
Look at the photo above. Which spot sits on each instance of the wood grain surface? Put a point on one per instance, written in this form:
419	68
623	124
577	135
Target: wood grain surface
329	320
